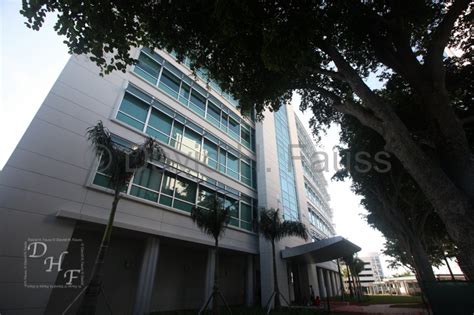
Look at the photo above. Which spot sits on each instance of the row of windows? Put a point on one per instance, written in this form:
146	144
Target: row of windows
310	174
315	199
203	74
170	128
153	68
310	158
318	222
285	163
155	184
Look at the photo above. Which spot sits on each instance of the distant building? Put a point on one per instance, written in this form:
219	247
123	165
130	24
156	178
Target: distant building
372	270
407	285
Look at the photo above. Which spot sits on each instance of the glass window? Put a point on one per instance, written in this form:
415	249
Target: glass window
198	103
191	143
168	184
245	172
231	204
165	200
185	189
102	180
144	193
234	128
245	212
169	83
232	165
245	137
159	126
147	68
224	122
222	160
133	111
181	205
213	114
149	177
204	195
177	135
210	153
184	93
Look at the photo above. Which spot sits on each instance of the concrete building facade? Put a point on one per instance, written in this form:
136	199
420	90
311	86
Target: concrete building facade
55	200
373	271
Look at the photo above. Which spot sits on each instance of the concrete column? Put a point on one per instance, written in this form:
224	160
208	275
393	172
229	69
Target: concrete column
147	276
338	283
322	283
313	279
249	283
327	282
334	283
210	271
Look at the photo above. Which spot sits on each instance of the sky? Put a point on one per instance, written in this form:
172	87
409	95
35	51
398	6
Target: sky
32	60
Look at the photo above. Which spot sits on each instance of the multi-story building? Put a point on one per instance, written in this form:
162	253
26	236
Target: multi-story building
406	285
54	196
373	271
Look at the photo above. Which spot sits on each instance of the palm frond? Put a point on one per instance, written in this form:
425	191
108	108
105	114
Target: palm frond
292	228
272	228
121	162
269	223
100	138
213	220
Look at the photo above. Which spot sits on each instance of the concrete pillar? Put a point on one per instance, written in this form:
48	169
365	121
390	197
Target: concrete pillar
147	276
338	283
327	283
313	279
334	283
210	271
249	283
322	283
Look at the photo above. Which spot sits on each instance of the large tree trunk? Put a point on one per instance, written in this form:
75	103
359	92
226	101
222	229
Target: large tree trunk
89	303
453	149
275	279
452	205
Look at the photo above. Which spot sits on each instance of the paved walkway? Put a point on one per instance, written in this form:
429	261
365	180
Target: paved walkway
378	309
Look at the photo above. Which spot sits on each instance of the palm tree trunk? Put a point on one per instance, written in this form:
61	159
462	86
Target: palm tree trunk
89	303
275	279
351	293
215	290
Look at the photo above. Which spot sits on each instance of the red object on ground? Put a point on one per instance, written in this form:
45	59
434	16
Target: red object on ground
317	301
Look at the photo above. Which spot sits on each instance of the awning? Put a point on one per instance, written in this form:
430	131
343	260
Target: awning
320	251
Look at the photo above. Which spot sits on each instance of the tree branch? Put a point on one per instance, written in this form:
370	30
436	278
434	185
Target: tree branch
440	38
365	116
329	73
373	102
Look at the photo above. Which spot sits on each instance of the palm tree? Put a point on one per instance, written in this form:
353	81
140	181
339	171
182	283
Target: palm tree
358	267
119	163
355	266
274	229
347	274
212	218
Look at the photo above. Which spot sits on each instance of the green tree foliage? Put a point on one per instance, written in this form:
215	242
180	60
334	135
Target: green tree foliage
261	51
119	164
273	229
